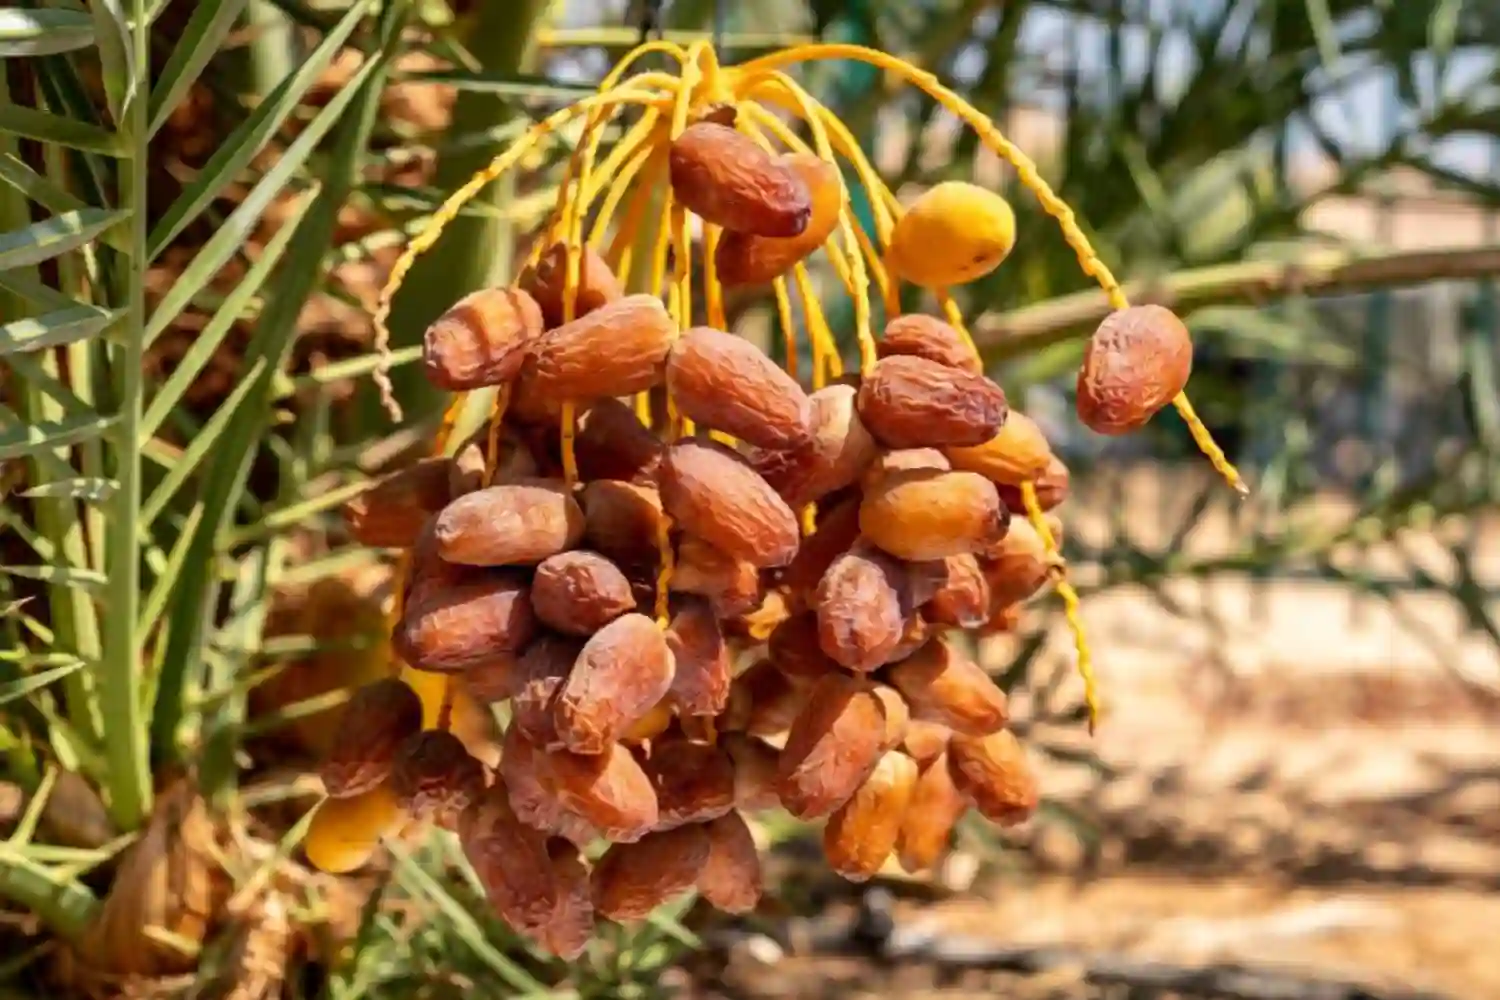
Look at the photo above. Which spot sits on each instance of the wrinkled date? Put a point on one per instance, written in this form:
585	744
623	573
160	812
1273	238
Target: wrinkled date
942	685
833	746
920	336
992	774
1137	362
631	880
725	383
725	178
435	778
834	456
910	402
579	592
513	525
731	878
693	782
713	493
859	608
511	861
609	791
616	350
482	340
624	669
466	624
702	667
746	259
374	724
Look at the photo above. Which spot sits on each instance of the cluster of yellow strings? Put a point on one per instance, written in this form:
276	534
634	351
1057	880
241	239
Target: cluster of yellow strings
633	176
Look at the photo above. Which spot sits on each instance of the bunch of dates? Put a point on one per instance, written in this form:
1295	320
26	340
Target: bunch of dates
685	629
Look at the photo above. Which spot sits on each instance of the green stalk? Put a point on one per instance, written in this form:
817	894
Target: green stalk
119	673
66	906
473	252
272	54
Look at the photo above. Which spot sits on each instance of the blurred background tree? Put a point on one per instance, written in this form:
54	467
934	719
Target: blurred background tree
1314	184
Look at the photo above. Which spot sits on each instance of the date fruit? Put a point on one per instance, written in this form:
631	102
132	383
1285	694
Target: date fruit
510	860
393	512
513	525
910	402
833	746
1137	362
693	782
943	685
623	671
725	178
731	878
468	623
597	285
862	833
612	443
934	810
711	492
376	721
726	383
921	336
579	592
744	259
434	777
481	340
859	608
609	791
923	515
616	350
622	521
837	453
703	668
731	586
993	775
794	649
631	880
1018	452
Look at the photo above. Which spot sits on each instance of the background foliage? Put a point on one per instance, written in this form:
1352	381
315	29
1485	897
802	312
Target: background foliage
198	203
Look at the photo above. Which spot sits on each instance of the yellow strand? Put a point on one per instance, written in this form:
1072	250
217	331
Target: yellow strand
618	184
692	70
588	142
492	443
755	117
1026	171
622	164
827	364
883	203
807	108
455	203
713	292
955	317
1070	603
788	331
621	252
